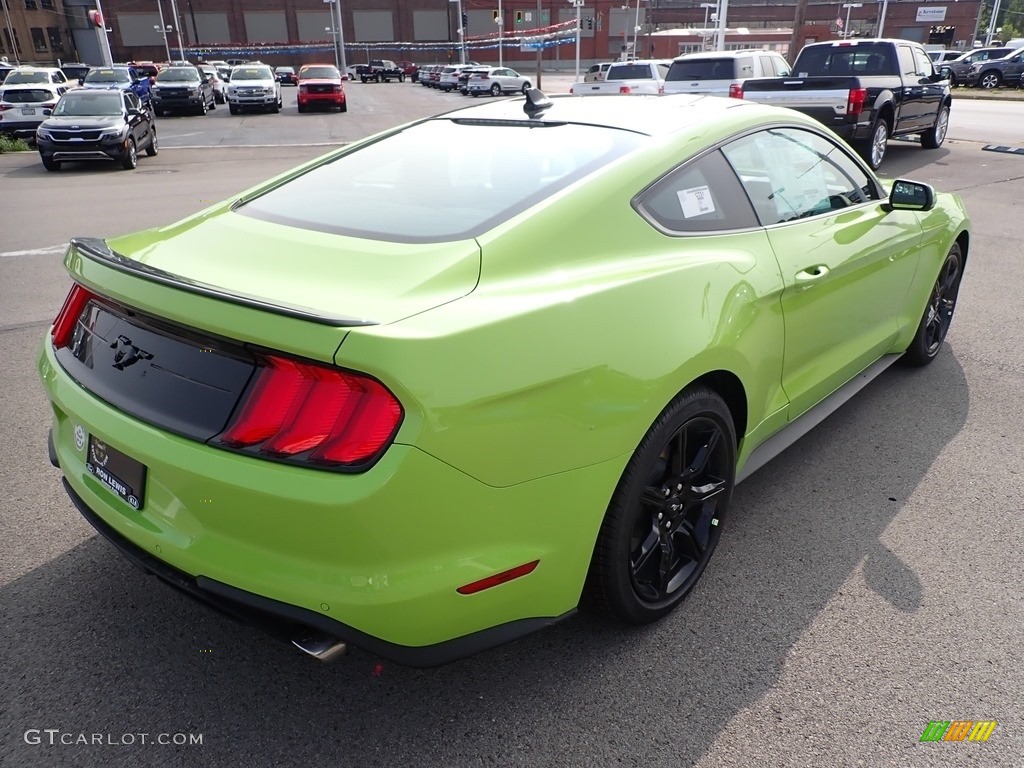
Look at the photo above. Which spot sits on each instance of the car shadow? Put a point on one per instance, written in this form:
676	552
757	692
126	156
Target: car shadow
93	645
905	156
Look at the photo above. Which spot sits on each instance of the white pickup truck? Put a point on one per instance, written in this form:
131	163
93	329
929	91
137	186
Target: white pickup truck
628	77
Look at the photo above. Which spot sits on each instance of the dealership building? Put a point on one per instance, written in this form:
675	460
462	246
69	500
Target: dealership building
426	31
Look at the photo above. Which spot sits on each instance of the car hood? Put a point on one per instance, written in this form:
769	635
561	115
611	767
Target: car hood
319	81
253	83
83	122
106	86
327	274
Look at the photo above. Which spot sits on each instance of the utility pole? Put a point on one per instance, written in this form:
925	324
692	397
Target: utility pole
578	4
992	23
881	18
501	28
10	31
341	39
163	29
720	37
796	41
540	47
177	28
109	57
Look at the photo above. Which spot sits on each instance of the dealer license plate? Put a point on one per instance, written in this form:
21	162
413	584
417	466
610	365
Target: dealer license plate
122	474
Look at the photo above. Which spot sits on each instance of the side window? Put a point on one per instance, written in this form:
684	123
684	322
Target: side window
907	66
789	173
781	67
663	71
701	196
128	102
924	64
744	67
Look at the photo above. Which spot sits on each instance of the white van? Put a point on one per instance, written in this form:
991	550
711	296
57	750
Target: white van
716	72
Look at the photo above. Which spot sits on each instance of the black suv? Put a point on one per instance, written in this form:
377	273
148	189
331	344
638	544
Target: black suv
957	69
96	125
995	72
182	89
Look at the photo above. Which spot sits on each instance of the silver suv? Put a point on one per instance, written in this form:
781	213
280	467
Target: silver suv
716	73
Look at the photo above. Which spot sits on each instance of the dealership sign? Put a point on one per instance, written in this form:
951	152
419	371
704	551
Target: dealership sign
931	13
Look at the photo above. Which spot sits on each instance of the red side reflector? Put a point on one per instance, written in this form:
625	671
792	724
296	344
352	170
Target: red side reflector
855	101
736	91
498	578
67	318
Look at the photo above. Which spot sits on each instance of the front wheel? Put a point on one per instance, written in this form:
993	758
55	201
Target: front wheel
934	136
131	156
665	517
401	78
50	164
874	150
232	109
938	314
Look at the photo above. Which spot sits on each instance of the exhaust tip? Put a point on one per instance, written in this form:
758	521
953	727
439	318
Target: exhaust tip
319	646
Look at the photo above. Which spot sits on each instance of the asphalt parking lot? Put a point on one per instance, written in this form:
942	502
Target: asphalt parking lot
868	581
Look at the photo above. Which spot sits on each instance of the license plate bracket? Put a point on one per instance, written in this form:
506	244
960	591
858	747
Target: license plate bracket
123	475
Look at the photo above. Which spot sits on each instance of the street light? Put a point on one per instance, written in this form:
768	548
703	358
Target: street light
577	4
636	26
849	7
500	21
164	29
714	17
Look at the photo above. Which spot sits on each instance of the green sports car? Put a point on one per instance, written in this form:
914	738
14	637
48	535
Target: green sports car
431	391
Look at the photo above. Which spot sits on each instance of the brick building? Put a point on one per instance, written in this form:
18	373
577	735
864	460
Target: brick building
294	31
35	31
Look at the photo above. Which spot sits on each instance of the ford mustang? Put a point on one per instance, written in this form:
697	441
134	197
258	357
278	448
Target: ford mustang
426	394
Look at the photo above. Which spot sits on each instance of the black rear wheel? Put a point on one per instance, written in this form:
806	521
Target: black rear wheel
665	518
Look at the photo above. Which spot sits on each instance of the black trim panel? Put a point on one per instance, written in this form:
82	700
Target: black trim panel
284	621
97	250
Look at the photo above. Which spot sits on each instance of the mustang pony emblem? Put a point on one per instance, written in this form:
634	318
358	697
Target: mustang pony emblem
127	353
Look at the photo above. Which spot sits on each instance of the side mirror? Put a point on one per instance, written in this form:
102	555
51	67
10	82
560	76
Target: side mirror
47	112
206	79
81	80
911	196
136	113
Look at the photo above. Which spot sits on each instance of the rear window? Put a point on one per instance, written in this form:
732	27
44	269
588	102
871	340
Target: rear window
630	72
860	59
26	96
702	69
441	180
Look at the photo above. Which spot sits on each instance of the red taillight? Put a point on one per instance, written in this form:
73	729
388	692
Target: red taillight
625	89
498	578
51	105
736	91
484	77
67	318
297	407
855	102
5	107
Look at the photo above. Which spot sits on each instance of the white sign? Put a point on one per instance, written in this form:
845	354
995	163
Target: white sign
696	201
931	13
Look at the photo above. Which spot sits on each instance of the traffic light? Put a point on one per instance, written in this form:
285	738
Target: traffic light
494	16
519	17
465	21
590	22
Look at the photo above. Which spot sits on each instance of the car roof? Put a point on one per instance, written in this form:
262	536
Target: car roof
720	54
651	115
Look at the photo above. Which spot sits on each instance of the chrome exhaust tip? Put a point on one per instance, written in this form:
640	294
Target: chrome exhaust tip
319	646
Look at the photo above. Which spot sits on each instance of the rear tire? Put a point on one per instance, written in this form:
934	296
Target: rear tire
154	146
938	312
875	148
301	108
664	519
343	107
495	90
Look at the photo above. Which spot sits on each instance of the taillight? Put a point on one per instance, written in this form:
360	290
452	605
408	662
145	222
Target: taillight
661	90
67	318
485	77
328	415
5	107
625	89
50	105
855	102
736	91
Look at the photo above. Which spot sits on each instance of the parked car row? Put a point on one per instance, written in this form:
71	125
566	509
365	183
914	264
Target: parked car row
473	79
986	68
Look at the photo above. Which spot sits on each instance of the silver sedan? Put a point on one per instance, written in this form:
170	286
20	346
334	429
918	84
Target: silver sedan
497	81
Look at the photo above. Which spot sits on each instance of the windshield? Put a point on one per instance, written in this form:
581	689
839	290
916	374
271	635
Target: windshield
26	95
88	104
27	77
441	180
326	72
108	76
252	73
177	75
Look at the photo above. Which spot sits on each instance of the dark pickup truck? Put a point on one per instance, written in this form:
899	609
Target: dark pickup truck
864	90
382	71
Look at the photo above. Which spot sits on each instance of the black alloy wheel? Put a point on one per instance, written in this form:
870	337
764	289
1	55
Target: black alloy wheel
666	517
938	313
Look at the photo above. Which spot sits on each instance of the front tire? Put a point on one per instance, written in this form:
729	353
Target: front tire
934	136
232	109
50	164
131	156
875	148
990	80
938	313
665	517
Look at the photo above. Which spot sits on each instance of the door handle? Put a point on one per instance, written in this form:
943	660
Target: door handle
812	273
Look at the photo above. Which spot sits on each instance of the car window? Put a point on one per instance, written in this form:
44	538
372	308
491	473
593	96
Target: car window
782	68
845	60
923	64
789	173
441	180
701	69
701	196
25	96
630	72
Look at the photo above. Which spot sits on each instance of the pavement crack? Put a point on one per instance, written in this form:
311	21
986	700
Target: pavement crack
984	184
23	326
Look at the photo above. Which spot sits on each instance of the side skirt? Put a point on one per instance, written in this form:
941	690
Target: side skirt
788	435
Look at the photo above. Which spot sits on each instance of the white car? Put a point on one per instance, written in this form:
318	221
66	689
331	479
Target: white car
219	86
253	86
596	72
721	73
497	81
37	75
636	76
24	107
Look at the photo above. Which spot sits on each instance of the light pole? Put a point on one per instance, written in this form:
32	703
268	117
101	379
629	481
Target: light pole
106	40
636	26
577	4
849	7
339	31
723	11
500	21
704	30
881	18
164	29
10	31
177	29
334	37
992	23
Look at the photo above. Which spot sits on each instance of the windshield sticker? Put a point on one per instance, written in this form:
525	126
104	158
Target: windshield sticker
696	201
